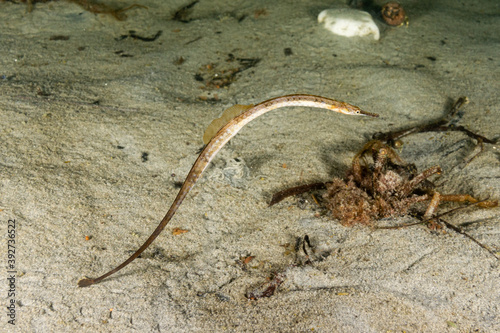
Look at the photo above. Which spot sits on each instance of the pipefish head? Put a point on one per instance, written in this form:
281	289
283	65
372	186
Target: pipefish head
353	110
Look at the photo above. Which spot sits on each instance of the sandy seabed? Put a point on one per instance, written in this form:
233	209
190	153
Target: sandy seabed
98	127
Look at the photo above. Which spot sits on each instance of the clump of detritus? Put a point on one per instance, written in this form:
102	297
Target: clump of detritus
385	187
380	184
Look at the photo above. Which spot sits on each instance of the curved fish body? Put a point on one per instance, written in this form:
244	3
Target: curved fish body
219	140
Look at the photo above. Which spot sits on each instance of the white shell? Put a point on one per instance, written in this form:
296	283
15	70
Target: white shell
349	22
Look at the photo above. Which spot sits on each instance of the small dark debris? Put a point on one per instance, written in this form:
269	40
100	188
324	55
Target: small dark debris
304	243
244	261
182	14
120	147
270	288
178	184
122	54
42	92
122	37
132	34
217	76
59	37
431	58
193	40
179	61
144	156
260	12
222	298
157	254
7	77
288	51
248	62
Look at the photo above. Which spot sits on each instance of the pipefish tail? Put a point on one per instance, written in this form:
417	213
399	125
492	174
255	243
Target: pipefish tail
218	141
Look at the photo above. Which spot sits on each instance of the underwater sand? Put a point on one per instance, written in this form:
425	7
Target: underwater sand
98	128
